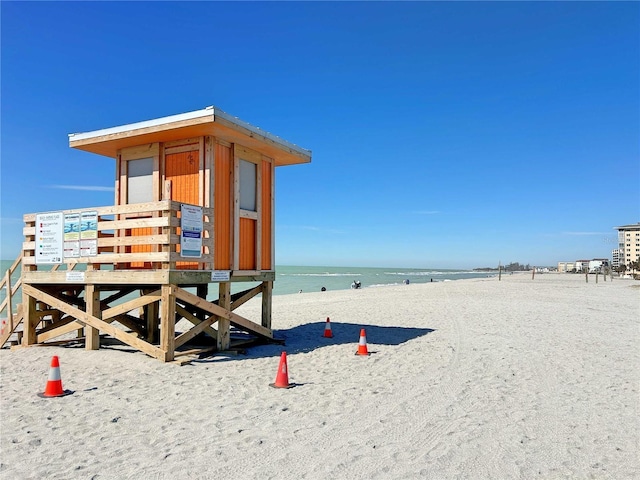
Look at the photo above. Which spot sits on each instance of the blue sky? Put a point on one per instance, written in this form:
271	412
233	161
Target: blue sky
443	134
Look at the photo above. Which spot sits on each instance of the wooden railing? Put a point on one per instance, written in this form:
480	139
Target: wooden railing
9	320
142	235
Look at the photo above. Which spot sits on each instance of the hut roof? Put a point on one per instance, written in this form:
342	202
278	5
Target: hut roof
208	121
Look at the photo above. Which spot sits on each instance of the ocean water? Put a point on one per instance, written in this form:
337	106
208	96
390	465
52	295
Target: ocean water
293	279
290	279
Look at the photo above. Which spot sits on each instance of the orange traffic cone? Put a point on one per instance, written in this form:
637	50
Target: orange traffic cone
54	383
282	377
327	329
362	346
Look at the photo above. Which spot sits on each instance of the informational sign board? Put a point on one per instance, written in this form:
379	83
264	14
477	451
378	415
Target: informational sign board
74	277
49	238
191	231
89	234
220	275
71	235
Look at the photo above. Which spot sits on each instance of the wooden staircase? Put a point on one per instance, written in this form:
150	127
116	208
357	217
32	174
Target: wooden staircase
10	320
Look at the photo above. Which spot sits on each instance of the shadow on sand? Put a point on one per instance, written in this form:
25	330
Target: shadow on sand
300	339
308	337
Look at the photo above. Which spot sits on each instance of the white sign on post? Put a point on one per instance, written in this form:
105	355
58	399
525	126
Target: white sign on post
190	231
49	238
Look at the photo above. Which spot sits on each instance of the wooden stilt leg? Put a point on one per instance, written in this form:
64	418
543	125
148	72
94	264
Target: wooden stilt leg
92	300
224	336
168	323
31	319
202	291
152	321
267	293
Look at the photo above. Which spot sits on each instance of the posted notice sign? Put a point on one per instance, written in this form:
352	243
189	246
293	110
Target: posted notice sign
49	238
190	231
72	235
89	234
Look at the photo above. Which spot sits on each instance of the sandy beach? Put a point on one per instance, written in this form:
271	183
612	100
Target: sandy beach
477	379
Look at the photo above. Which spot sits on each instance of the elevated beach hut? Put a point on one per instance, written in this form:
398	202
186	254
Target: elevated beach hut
193	208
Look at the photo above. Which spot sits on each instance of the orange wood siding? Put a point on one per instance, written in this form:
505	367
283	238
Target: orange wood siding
139	248
183	170
267	215
247	244
223	184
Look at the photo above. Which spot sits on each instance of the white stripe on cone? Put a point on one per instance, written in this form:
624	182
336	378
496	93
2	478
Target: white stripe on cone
54	374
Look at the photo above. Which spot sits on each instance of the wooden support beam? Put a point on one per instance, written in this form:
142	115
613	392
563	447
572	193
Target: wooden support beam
152	320
267	295
224	301
64	326
83	317
196	321
15	321
8	299
123	292
141	301
92	300
202	290
248	295
199	327
31	318
69	324
168	323
248	325
234	319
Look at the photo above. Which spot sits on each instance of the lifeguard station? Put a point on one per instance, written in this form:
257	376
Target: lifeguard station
194	208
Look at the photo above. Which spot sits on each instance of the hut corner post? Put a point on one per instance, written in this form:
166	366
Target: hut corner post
267	293
30	321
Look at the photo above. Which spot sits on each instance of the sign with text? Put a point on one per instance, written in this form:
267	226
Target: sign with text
190	231
220	275
88	225
89	234
71	235
88	248
49	238
74	277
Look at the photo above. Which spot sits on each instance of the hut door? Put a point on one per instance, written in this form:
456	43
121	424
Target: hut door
138	184
183	169
248	175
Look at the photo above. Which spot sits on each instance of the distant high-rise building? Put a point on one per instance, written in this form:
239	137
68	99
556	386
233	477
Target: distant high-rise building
615	257
628	243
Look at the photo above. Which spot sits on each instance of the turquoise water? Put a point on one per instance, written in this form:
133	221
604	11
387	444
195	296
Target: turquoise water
292	279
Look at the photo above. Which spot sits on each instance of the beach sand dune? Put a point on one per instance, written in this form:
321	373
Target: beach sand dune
475	379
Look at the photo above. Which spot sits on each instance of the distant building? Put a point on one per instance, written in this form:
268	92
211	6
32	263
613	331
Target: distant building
628	243
564	267
582	265
598	265
615	258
